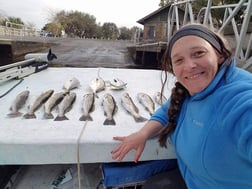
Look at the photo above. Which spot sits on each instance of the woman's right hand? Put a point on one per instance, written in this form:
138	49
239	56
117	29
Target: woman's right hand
134	141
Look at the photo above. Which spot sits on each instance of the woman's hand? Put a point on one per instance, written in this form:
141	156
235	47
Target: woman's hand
134	141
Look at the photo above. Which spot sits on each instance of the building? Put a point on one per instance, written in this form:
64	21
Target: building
152	44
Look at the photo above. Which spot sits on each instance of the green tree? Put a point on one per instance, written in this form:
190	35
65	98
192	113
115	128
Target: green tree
14	22
165	2
75	23
125	33
54	28
110	30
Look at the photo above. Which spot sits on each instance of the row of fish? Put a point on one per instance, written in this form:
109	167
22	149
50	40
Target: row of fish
96	85
64	101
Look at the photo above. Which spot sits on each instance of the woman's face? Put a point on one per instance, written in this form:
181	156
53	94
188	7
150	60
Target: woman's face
194	62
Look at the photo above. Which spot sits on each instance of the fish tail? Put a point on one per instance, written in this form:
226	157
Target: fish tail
109	122
86	118
14	114
48	116
140	119
30	116
61	118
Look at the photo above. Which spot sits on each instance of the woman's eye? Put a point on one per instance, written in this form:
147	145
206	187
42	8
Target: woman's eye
177	61
199	53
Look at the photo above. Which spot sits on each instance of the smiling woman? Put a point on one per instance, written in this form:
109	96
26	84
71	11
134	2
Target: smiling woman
207	117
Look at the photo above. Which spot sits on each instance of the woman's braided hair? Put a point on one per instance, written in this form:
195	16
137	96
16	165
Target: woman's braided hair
179	92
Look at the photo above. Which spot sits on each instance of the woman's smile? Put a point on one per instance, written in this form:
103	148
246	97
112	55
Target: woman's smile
194	76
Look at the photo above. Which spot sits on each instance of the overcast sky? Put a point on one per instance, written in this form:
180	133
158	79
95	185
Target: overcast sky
120	12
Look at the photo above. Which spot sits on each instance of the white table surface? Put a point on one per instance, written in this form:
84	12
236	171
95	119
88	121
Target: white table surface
42	141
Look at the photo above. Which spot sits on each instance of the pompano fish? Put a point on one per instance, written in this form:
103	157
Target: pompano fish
87	106
97	84
71	84
129	105
110	108
51	103
18	103
40	100
159	98
65	106
117	84
147	102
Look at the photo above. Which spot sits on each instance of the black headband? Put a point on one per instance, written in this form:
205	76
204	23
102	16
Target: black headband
197	30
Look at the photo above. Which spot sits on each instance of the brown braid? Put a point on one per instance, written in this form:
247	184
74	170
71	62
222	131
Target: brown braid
176	101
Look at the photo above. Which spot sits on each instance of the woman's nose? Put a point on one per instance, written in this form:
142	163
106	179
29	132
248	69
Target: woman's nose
190	63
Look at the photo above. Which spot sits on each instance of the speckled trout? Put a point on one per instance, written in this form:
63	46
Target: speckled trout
110	108
51	103
18	103
129	105
65	106
87	107
40	100
147	102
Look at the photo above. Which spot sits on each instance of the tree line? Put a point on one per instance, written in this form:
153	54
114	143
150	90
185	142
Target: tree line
78	24
83	25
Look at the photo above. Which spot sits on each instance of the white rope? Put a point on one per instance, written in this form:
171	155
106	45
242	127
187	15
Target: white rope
78	154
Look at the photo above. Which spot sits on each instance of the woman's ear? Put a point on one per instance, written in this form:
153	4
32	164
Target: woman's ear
220	58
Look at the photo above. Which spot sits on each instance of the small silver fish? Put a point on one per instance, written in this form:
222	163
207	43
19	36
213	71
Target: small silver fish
51	103
40	100
18	103
110	108
87	107
147	102
65	106
71	84
117	84
159	98
97	85
129	105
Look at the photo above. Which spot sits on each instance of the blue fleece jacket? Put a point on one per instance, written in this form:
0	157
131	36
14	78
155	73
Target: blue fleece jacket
213	137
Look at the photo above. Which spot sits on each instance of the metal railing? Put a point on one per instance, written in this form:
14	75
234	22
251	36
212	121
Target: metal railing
18	30
242	37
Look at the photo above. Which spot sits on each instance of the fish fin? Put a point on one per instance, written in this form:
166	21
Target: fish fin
92	108
96	96
61	118
86	118
14	114
30	116
109	122
48	116
140	119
